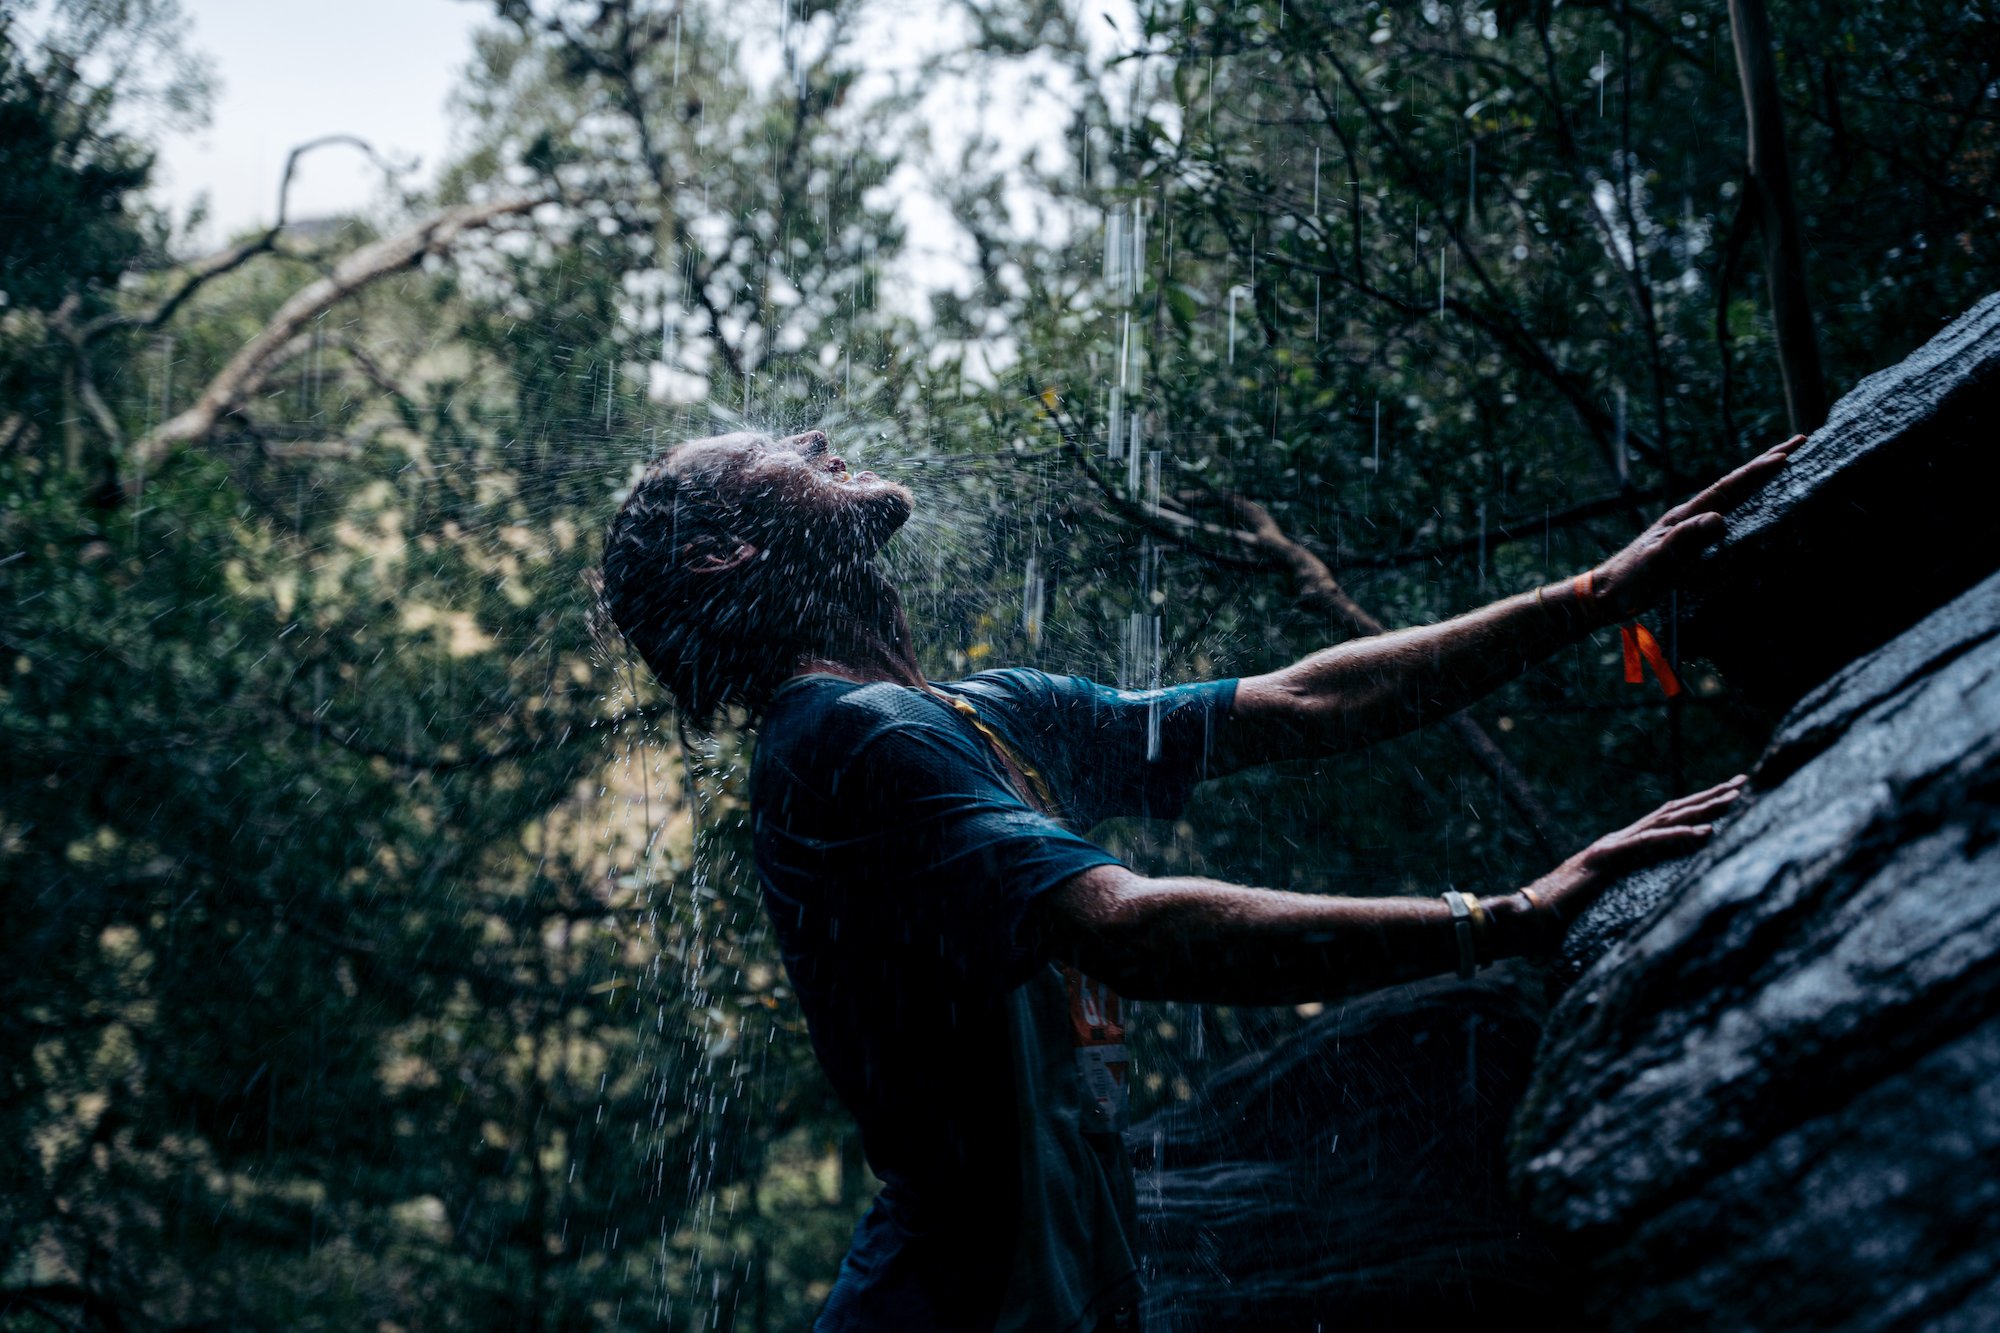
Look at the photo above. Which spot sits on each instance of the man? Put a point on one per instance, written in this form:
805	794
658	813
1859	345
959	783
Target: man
956	944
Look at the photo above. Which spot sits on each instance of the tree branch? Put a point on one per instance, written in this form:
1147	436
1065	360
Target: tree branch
434	235
1175	527
1499	321
204	271
623	74
1318	590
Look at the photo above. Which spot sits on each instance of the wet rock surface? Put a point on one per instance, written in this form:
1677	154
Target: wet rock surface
1884	514
1354	1176
1777	1103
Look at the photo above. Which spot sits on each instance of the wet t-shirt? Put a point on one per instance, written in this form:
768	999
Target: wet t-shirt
899	859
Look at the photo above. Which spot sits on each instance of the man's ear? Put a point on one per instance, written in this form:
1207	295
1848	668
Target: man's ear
712	562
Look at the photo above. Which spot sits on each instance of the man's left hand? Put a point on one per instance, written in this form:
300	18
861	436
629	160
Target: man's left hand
1675	829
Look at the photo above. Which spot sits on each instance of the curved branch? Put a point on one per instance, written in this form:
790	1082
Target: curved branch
204	271
433	236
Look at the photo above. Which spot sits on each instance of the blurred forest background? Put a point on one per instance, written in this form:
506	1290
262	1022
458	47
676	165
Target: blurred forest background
376	952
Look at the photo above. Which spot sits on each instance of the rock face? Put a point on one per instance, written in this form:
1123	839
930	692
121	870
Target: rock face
1353	1178
1884	514
1771	1098
1777	1104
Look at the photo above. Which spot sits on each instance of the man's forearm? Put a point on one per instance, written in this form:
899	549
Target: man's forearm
1381	686
1206	941
1210	942
1369	689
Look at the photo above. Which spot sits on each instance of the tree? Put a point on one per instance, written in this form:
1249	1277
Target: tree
1449	296
1770	179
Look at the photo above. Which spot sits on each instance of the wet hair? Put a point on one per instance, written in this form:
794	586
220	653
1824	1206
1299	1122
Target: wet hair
714	638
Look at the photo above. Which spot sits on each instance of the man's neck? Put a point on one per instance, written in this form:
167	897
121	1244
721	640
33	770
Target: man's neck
895	672
867	651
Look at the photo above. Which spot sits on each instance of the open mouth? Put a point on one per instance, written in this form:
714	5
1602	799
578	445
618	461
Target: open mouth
836	467
818	453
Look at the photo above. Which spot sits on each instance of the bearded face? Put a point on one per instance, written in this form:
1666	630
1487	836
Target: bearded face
807	528
798	499
739	556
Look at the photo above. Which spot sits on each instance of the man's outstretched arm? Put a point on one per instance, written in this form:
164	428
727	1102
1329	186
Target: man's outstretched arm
1209	942
1369	689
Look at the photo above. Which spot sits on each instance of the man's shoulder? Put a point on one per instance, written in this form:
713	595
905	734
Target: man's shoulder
829	735
817	711
1018	684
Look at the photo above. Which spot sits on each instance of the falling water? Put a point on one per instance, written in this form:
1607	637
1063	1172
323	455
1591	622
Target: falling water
1618	458
1034	599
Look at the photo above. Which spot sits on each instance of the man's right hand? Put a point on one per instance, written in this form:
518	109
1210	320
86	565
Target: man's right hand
1638	575
1675	829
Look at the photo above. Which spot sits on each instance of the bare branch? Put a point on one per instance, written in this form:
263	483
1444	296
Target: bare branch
63	322
434	235
376	373
203	271
93	403
1317	588
199	274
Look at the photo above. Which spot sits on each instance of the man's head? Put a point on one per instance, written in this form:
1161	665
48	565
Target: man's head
737	555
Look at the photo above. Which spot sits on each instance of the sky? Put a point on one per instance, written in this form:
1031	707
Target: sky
292	70
288	71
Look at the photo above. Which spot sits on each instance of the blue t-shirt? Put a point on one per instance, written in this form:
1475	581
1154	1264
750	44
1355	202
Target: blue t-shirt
898	863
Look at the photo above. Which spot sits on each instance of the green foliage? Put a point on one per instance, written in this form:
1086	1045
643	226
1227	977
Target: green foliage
63	188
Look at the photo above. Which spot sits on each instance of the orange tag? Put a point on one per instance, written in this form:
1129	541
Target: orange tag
1096	1014
1638	642
1097	1031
